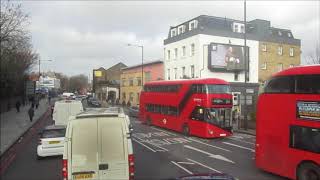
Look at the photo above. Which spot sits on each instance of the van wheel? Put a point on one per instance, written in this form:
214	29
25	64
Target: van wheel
308	171
186	130
39	157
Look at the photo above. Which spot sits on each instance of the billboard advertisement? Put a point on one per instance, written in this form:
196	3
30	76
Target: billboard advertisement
226	57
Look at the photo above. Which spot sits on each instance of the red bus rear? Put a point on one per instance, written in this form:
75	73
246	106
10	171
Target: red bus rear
199	107
288	124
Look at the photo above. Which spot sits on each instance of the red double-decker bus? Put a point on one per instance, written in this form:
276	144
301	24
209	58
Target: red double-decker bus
288	124
199	107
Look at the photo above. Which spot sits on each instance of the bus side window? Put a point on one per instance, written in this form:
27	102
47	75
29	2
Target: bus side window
198	114
306	84
280	85
305	138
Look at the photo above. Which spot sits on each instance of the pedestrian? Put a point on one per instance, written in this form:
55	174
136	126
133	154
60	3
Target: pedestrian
31	113
129	104
37	102
49	99
18	104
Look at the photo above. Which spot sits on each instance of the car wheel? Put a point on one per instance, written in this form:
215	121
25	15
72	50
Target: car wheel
39	157
186	130
308	171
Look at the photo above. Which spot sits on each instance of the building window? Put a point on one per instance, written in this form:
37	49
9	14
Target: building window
168	74
280	50
138	98
235	28
168	55
176	53
280	67
264	66
291	52
139	81
181	29
131	82
175	73
183	51
289	35
124	96
147	76
173	32
192	50
279	33
193	25
264	47
192	71
183	72
242	28
238	27
291	65
131	97
123	81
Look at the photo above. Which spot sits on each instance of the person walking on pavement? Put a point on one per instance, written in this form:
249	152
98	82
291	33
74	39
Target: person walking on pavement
18	104
31	113
37	102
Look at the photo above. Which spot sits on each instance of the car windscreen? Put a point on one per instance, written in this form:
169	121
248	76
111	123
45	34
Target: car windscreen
53	133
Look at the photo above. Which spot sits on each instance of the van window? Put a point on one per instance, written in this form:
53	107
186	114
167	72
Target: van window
84	143
53	133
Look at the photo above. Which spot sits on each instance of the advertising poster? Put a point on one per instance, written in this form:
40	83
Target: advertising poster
308	110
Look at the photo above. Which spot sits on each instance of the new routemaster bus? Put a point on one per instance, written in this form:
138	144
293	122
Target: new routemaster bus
288	124
199	107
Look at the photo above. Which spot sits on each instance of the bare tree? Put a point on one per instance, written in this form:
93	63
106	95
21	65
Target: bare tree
78	82
314	57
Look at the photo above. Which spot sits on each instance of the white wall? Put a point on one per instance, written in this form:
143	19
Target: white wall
200	59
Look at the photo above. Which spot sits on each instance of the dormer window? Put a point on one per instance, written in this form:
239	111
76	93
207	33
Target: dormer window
193	25
238	27
173	32
279	33
289	35
181	29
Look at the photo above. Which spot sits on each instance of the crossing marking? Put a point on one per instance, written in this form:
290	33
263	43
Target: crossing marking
144	145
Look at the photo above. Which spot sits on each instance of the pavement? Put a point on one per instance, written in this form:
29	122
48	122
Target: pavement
14	124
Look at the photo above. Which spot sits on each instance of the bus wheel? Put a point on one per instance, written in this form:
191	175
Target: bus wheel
186	130
308	171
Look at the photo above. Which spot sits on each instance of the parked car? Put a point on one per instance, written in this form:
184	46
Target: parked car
98	146
134	111
94	102
51	141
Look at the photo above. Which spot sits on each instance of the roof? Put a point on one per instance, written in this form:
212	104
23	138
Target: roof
144	64
102	112
257	29
189	81
299	70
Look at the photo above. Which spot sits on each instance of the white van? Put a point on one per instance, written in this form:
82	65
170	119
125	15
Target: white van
98	146
64	109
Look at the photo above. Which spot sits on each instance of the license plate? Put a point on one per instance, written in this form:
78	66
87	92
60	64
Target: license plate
54	142
82	176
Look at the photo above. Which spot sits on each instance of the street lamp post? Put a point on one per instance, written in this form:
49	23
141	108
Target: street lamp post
39	65
140	46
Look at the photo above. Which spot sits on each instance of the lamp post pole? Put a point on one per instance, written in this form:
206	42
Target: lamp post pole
140	46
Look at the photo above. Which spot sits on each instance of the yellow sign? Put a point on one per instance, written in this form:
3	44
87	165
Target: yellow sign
97	73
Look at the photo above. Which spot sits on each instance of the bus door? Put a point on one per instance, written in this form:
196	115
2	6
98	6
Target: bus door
196	124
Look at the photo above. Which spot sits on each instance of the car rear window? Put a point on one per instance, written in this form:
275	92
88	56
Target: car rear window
53	133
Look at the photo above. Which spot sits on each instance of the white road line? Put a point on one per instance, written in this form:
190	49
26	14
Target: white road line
185	163
158	146
236	139
172	134
204	165
252	150
144	145
186	170
137	137
198	141
220	157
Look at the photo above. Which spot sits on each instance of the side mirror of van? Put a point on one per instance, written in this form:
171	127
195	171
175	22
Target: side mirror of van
130	128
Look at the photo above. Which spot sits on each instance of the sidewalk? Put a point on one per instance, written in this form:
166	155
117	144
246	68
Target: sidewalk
14	124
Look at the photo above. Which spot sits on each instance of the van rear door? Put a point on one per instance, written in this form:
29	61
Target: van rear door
84	150
113	153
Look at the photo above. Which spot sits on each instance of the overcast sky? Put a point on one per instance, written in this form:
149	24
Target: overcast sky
81	35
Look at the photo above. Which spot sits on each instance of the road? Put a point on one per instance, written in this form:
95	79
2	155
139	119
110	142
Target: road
159	154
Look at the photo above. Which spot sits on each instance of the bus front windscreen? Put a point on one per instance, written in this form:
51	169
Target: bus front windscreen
218	116
217	88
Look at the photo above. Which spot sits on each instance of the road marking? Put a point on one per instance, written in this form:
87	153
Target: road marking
198	141
164	149
172	134
186	170
204	165
252	150
236	139
144	145
210	155
185	163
